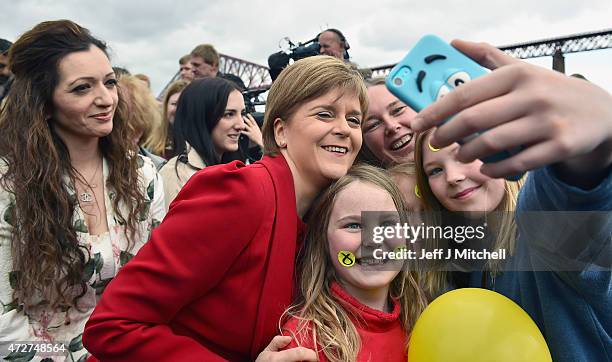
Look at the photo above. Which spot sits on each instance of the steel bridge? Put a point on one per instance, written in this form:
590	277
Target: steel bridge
555	47
253	75
256	76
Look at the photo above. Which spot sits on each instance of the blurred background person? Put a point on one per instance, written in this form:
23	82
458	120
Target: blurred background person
204	60
144	78
6	77
161	141
185	68
76	200
142	115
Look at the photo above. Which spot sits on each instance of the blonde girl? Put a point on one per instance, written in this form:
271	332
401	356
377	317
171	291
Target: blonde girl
563	128
365	311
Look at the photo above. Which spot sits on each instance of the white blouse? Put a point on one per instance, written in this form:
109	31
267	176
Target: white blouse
53	328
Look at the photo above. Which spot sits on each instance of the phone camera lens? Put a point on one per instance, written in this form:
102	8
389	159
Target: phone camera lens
398	81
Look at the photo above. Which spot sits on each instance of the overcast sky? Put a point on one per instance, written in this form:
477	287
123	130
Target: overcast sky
150	36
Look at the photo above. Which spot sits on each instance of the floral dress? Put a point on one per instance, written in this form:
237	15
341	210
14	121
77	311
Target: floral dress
26	332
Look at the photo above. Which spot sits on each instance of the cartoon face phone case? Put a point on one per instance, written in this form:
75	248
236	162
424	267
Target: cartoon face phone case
432	69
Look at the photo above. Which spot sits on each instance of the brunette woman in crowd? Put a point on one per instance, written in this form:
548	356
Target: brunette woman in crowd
208	124
76	201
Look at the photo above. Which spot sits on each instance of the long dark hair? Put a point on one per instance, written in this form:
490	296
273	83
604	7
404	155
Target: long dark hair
47	258
199	109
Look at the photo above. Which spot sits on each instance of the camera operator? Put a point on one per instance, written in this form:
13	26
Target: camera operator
332	42
328	42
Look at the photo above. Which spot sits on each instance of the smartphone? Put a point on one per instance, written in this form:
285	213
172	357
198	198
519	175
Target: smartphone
430	70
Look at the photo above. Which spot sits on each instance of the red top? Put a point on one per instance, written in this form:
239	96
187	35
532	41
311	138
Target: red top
382	336
215	277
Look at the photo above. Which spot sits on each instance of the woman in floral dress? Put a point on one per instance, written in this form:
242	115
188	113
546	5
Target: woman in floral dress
76	200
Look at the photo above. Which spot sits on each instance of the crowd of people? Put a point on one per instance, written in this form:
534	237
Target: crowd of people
134	230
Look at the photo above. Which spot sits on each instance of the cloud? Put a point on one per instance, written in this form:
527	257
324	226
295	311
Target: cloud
150	36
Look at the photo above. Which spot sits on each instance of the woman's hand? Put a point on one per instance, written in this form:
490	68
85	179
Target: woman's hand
272	353
252	130
553	117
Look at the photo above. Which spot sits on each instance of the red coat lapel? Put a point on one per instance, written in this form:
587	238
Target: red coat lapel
278	284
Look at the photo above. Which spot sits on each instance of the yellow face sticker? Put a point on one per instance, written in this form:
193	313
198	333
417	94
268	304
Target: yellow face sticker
346	258
400	249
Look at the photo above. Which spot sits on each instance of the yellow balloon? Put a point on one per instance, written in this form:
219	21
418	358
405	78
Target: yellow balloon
476	325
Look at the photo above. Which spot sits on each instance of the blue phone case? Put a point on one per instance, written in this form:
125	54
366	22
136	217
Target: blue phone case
429	71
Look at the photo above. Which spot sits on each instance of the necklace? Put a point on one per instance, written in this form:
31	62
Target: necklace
86	196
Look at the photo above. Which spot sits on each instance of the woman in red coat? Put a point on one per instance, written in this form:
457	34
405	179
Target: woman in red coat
216	275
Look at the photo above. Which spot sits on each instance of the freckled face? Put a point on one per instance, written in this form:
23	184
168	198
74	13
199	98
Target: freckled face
344	234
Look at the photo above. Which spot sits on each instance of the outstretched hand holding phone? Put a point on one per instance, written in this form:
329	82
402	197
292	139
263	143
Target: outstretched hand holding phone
554	118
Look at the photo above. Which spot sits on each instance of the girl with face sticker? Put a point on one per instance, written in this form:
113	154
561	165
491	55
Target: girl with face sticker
450	186
455	186
354	305
562	128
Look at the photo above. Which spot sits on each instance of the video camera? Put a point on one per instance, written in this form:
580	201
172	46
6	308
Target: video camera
278	61
305	50
251	99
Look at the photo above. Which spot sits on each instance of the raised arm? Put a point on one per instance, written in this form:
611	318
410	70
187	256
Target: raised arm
556	119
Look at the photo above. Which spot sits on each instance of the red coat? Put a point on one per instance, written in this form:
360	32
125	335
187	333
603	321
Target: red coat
215	277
